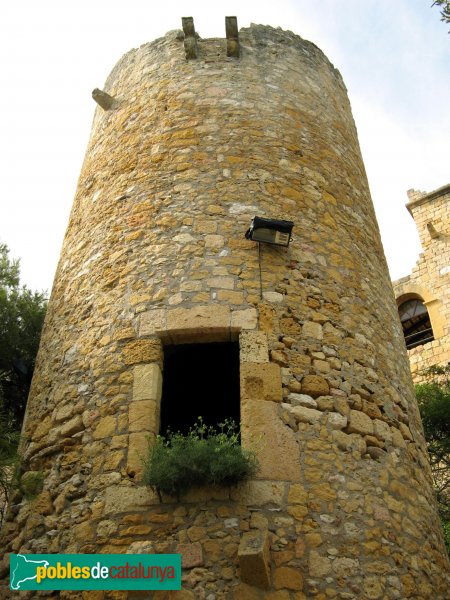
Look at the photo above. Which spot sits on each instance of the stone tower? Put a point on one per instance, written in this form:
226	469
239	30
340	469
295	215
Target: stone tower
192	139
423	296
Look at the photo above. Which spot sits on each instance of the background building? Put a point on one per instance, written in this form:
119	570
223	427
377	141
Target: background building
423	298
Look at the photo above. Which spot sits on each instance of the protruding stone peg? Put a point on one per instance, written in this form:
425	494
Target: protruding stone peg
232	33
103	99
190	40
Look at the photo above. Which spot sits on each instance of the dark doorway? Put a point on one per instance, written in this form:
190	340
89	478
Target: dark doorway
200	380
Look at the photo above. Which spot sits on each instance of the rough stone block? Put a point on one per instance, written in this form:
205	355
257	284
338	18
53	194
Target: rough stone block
258	493
147	382
244	319
304	414
261	381
121	498
359	422
315	386
253	347
137	452
142	351
254	559
106	427
75	425
336	420
143	416
382	430
152	322
312	330
191	555
274	442
199	322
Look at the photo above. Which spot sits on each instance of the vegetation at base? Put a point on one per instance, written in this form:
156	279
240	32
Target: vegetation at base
434	406
205	456
22	315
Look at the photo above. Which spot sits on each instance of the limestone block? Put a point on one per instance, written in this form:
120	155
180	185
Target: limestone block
191	555
42	428
359	422
297	494
73	426
152	322
303	414
315	386
319	566
258	493
121	498
273	297
226	283
138	449
302	400
244	319
214	241
189	324
254	558
287	578
147	382
261	381
106	427
336	420
63	412
142	351
253	347
274	443
143	416
382	430
348	442
312	330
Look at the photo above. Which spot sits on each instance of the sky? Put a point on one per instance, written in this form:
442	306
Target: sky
394	58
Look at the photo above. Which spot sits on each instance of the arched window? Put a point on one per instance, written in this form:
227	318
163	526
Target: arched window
415	322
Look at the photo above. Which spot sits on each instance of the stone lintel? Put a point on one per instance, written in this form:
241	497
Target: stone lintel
103	99
254	558
201	323
232	34
190	41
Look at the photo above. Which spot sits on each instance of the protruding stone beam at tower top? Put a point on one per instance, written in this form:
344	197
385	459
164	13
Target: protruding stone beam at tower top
103	99
232	34
190	40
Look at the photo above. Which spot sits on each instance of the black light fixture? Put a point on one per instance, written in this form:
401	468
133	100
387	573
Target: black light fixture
270	231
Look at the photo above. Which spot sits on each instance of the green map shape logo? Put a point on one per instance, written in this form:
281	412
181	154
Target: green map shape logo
24	569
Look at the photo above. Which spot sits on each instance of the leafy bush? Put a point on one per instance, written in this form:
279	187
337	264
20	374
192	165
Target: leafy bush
205	456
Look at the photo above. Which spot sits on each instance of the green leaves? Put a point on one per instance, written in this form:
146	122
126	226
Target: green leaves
205	456
21	317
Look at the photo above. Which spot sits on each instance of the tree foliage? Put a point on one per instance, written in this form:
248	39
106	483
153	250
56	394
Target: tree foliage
21	318
445	10
434	405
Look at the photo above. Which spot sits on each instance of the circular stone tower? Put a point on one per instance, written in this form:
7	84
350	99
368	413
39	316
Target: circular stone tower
191	140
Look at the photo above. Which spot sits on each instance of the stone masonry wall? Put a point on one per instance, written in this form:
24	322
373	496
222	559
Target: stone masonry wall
430	278
154	254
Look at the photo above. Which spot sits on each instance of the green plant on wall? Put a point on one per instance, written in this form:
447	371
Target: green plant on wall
205	456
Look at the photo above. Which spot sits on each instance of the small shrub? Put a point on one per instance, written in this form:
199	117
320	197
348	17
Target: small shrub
205	456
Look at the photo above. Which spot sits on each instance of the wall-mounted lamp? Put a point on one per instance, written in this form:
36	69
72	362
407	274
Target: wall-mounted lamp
270	231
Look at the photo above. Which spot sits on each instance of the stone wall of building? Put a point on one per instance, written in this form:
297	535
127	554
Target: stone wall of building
430	278
188	153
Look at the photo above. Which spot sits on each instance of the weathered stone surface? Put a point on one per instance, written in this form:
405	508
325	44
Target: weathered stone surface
244	319
75	425
263	430
359	422
142	351
143	416
186	324
287	578
302	400
305	415
253	347
105	428
315	386
191	555
152	322
261	381
147	382
312	330
123	499
254	559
